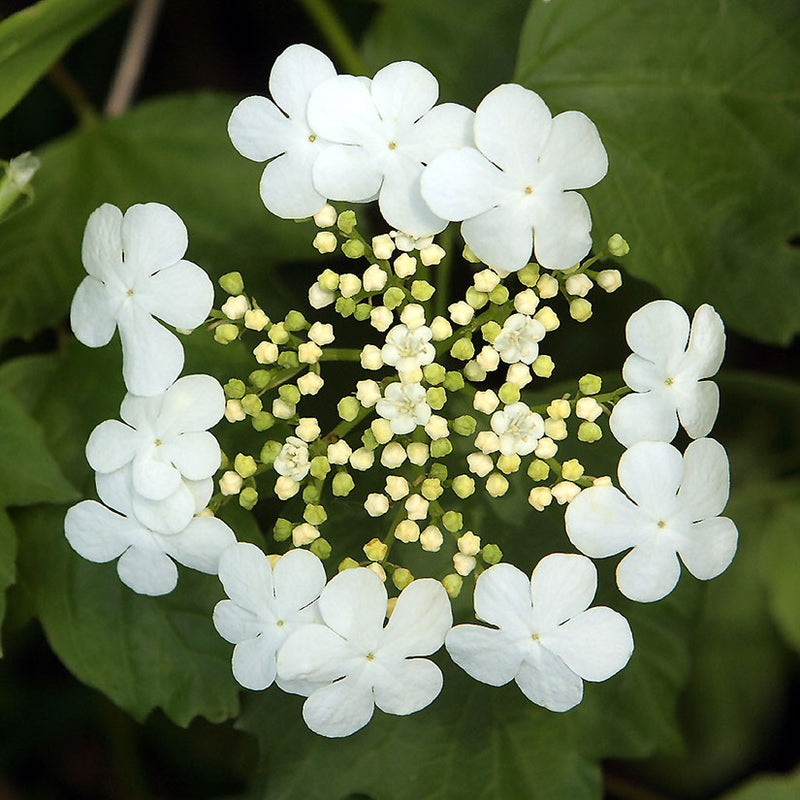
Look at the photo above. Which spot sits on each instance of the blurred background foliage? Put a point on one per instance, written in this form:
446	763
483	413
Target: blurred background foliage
105	694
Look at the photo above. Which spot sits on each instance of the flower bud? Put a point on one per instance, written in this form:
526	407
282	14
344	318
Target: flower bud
371	357
559	409
464	564
262	421
485	280
499	295
230	483
556	429
325	242
431	539
309	353
289	394
439	471
508	393
319	297
485	401
235	307
480	464
376	505
347	563
589	432
413	316
255	319
441	448
497	484
396	487
436	427
546	448
469	544
464	425
422	291
401	578
588	408
347	221
226	333
349	284
452	585
416	507
579	285
572	470
321	333
362	459
382	247
488	359
431	489
405	265
526	301
304	534
382	431
617	246
269	452
528	275
266	353
540	497
436	397
508	464
547	317
417	453
286	488
476	299
234	411
307	429
288	360
474	372
609	280
314	514
463	486
604	480
538	470
321	548
519	375
490	331
431	255
348	408
407	531
375	550
461	313
319	467
547	286
491	554
393	455
282	529
453	381
325	217
339	452
580	310
381	573
380	318
342	484
543	366
393	297
441	329
565	491
251	404
235	388
232	283
278	333
374	279
453	521
590	384
310	383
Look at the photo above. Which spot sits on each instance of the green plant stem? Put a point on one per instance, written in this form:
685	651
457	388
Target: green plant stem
442	274
74	94
340	354
322	14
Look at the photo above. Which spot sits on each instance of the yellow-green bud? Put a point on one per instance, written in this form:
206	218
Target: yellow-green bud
490	330
469	256
259	378
452	585
282	529
269	452
252	405
342	484
345	306
508	393
508	464
463	486
617	246
328	280
353	248
295	321
499	295
453	381
347	221
441	448
453	521
235	389
590	384
314	514
543	366
278	333
589	432
438	471
362	312
262	421
422	291
462	349
431	488
321	548
248	497
436	397
289	394
434	373
347	563
348	408
288	360
528	275
232	283
245	465
464	425
476	299
572	470
491	554
310	494
375	550
368	439
538	470
393	297
320	467
474	372
580	309
226	333
401	577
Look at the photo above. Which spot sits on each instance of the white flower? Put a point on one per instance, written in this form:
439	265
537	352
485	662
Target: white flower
672	511
279	132
405	406
363	663
666	371
407	350
266	605
546	638
519	339
165	439
518	429
136	273
386	130
292	462
146	556
511	192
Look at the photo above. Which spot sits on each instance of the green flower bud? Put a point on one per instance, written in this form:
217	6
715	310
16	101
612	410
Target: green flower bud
538	470
235	389
278	334
438	471
464	425
453	381
320	467
580	309
441	448
401	577
452	585
491	554
543	366
468	255
490	330
289	393
345	306
528	275
232	283
590	384
348	408
288	360
321	548
508	464
463	486
294	321
248	497
314	514
434	373
617	246
262	421
368	439
269	452
226	333
328	280
375	550
589	432
224	462
282	529
499	295
348	563
436	397
393	297
453	521
353	248
508	393
422	291
259	378
462	349
347	221
310	494
342	484
252	405
476	299
362	312
431	488
245	465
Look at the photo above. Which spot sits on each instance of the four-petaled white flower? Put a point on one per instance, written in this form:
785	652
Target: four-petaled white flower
137	272
405	405
673	510
512	191
519	339
266	605
407	350
292	462
518	429
546	638
263	131
386	130
165	439
146	556
363	663
666	372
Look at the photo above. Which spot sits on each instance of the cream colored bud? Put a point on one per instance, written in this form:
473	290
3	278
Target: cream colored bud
309	353
371	357
488	359
376	505
480	464
431	255
362	459
393	455
382	247
461	312
285	487
416	507
321	333
609	280
405	265
487	442
526	302
579	285
413	316
436	427
547	286
381	318
368	392
235	307
464	564
565	491
282	410
548	318
382	431
497	484
266	353
441	329
230	483
418	453
256	320
559	409
304	534
572	470
319	297
349	284
469	544
519	374
307	429
339	452
580	310
378	570
588	408
407	531
431	539
603	480
234	411
556	429
310	383
486	401
326	216
485	280
374	279
325	242
546	448
540	497
413	375
396	487
391	603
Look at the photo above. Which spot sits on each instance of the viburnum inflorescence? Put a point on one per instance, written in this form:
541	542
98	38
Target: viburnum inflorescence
448	410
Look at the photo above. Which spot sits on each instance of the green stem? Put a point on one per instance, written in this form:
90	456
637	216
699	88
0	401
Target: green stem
443	273
74	94
333	30
340	354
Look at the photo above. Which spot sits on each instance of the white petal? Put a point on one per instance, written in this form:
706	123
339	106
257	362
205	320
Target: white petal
201	492
642	418
339	709
699	408
709	547
419	622
152	477
354	605
259	130
295	73
97	533
488	655
298	577
192	403
91	318
503	598
401	203
642	375
547	681
346	173
196	455
706	480
234	623
287	187
460	184
115	489
181	295
501	237
410	686
152	357
651	474
141	412
342	110
658	331
201	544
562	586
253	663
169	516
573	151
562	230
595	645
246	576
101	251
316	653
649	572
706	344
601	522
111	445
404	91
511	126
147	571
153	237
442	128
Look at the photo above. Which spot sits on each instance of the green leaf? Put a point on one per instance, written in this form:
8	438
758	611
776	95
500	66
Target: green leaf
697	104
768	787
8	554
175	151
32	39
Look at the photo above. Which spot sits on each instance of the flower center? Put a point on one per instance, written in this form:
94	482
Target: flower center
312	137
280	623
159	442
535	637
393	145
370	656
662	524
529	190
130	292
669	381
